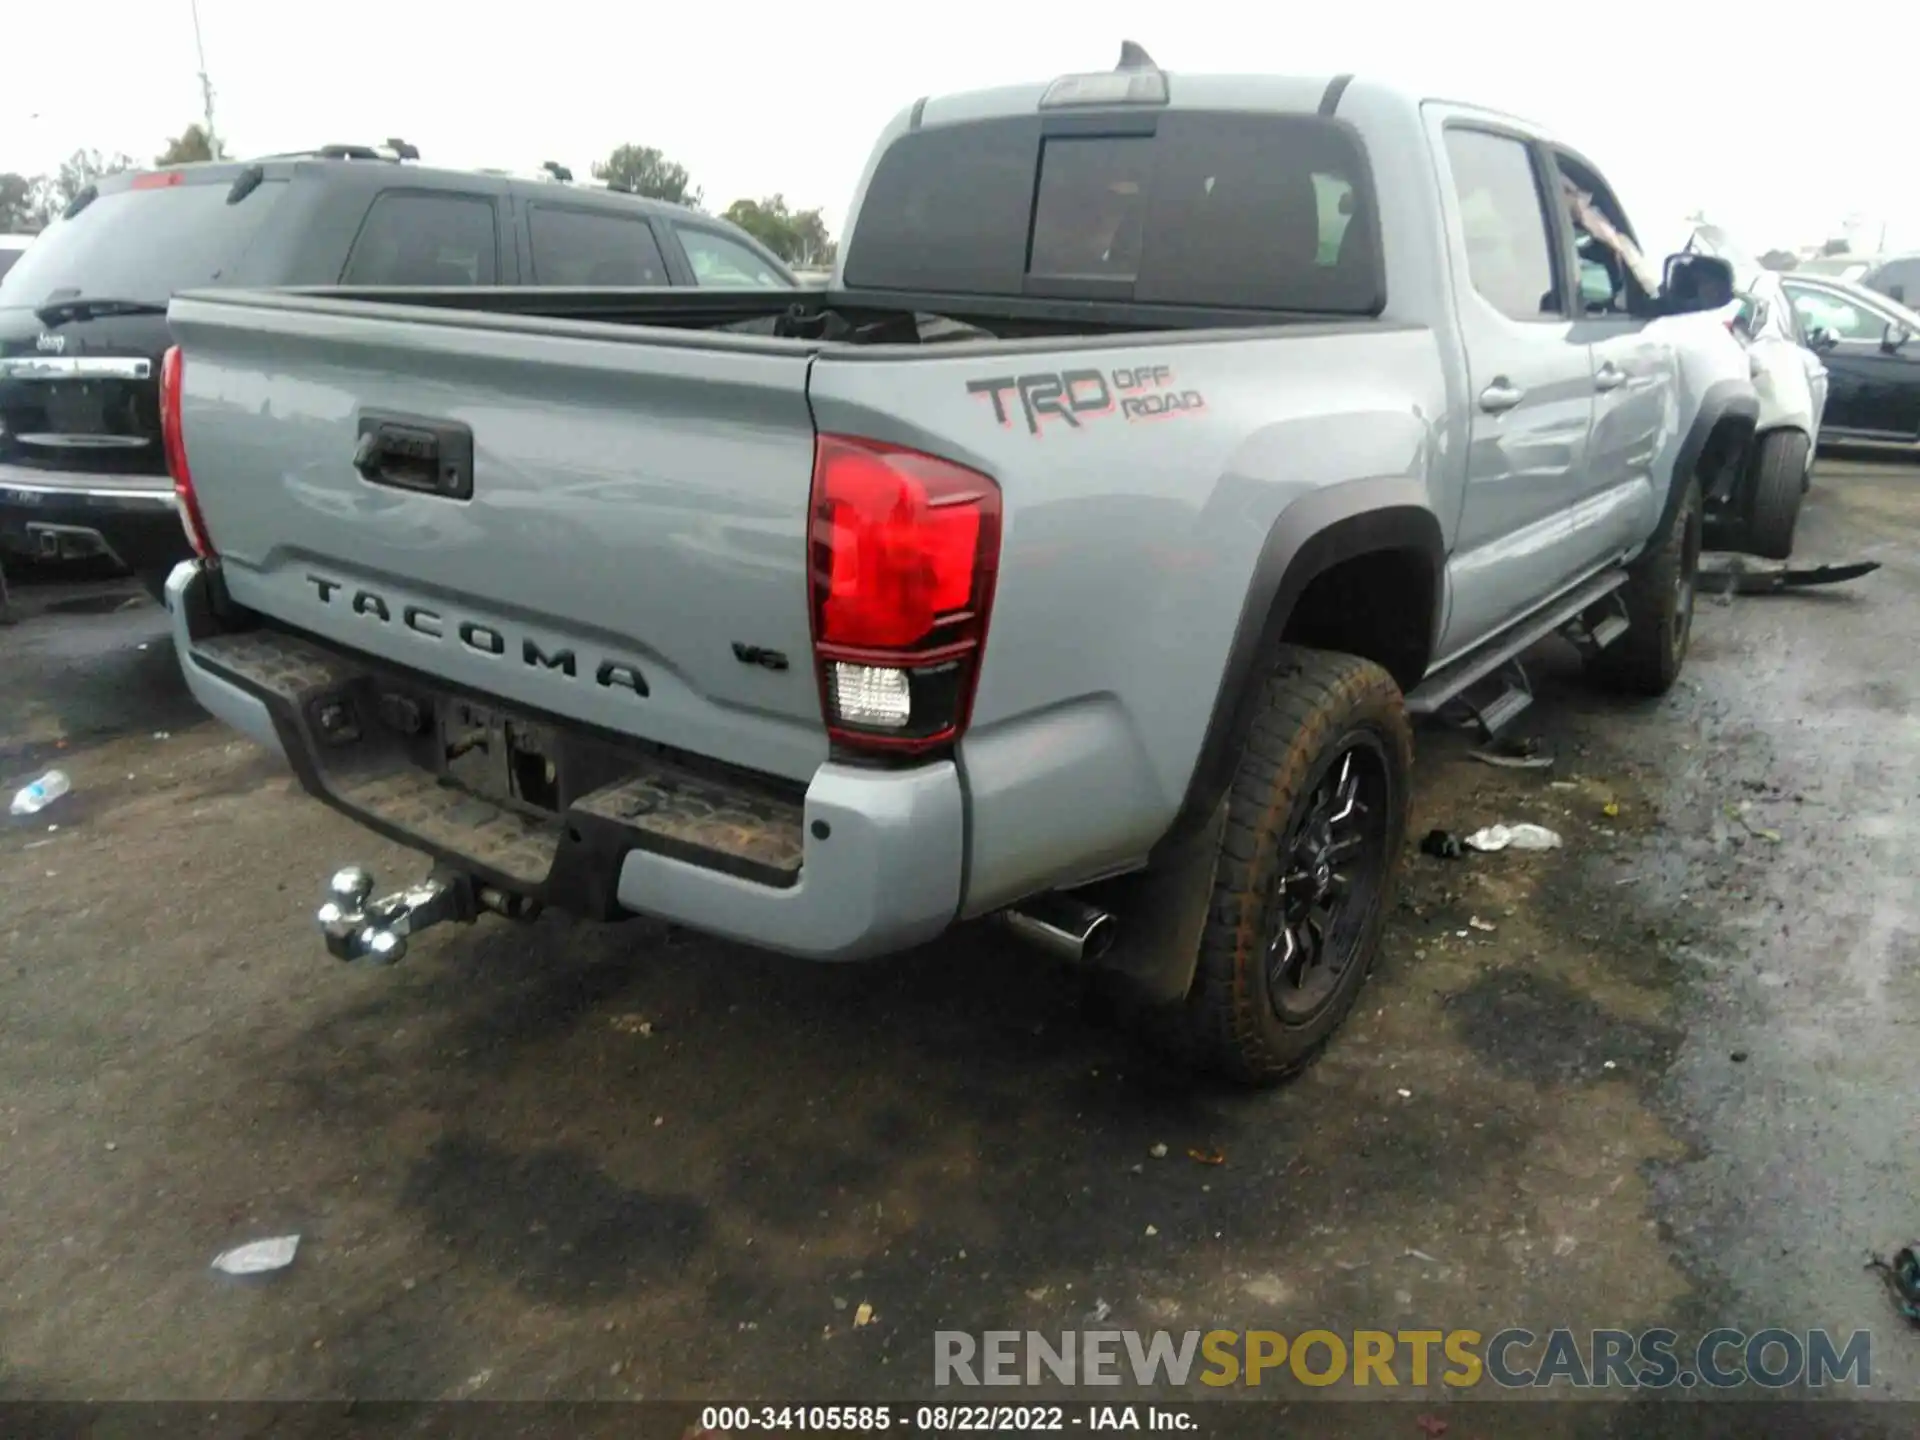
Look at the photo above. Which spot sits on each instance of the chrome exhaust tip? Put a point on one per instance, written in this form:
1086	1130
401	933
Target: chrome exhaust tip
1067	928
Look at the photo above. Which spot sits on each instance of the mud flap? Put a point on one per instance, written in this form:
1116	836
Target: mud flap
1162	914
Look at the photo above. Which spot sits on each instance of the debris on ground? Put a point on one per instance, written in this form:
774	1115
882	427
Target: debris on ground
1748	575
1523	836
1902	1277
863	1316
1159	1152
1516	754
1442	845
1611	809
633	1025
1422	1255
32	798
1478	924
1739	812
1207	1157
260	1257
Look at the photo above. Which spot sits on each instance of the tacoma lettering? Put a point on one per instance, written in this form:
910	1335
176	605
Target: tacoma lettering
478	637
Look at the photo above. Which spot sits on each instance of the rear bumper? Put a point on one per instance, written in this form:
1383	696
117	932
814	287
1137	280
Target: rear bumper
862	863
132	518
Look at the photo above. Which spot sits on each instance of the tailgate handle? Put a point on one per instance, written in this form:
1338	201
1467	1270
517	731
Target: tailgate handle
409	452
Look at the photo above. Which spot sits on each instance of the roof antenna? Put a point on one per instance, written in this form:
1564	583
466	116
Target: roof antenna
1133	57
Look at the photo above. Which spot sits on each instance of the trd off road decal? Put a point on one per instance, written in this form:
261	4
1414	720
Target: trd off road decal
1136	392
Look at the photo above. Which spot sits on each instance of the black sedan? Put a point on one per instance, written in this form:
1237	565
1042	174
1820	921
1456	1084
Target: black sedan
1871	346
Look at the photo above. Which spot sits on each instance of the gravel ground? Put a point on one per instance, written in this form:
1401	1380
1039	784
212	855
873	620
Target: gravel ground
1667	1085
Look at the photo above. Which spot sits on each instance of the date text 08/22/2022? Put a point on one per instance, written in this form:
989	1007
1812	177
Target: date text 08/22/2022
943	1419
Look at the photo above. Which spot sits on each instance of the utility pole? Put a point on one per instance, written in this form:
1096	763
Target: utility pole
206	84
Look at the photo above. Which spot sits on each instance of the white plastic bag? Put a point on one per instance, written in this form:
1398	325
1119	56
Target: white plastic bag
1513	837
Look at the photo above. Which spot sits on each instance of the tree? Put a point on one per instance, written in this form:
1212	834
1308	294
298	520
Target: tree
1836	247
1779	260
797	237
53	193
643	170
18	214
190	146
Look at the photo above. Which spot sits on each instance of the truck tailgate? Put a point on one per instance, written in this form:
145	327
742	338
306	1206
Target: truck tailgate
632	553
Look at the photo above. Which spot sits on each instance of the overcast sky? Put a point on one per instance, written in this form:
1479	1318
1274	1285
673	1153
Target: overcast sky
1688	103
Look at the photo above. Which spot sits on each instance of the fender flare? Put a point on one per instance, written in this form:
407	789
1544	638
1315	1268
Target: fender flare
1725	400
1310	537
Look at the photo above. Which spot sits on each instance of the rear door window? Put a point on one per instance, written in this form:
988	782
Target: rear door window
720	261
1210	209
593	247
1503	218
420	238
143	241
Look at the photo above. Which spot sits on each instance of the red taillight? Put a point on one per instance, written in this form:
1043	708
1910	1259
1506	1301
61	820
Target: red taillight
157	179
173	442
904	550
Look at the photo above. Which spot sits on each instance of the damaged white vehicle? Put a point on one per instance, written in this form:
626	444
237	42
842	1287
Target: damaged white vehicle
1791	381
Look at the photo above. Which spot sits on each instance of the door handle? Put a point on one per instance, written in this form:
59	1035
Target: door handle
1501	395
412	452
1609	377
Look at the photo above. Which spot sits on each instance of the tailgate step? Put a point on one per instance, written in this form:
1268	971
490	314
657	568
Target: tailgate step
689	816
351	749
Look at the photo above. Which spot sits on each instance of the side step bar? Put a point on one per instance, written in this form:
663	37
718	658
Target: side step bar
1448	683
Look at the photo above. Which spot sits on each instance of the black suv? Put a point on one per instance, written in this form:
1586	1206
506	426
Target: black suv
83	312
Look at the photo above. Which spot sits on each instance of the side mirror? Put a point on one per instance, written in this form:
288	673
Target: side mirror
1695	283
1821	339
1893	337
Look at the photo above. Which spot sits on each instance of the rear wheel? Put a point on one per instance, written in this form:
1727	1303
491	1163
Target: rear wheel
1316	818
1779	485
1659	596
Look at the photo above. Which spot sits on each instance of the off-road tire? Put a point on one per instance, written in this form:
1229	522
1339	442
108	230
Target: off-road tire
1659	596
1779	485
1313	707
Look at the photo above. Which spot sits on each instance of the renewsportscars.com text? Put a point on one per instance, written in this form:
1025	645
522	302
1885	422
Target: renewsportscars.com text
1511	1359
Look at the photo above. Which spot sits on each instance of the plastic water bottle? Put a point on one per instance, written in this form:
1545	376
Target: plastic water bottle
32	799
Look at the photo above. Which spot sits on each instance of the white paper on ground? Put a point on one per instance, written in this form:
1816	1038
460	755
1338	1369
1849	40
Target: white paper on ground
258	1258
1513	837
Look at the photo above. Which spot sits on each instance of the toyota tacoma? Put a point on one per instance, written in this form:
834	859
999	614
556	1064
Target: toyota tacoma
1076	557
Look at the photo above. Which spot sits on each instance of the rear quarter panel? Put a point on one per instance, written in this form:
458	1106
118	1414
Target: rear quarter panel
1130	537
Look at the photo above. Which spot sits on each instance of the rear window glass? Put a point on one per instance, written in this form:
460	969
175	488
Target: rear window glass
142	244
1253	211
585	247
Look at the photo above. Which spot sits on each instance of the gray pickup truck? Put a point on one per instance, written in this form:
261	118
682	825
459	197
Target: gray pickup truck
1076	557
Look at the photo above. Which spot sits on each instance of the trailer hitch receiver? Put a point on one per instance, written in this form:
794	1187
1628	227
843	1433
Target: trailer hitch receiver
361	929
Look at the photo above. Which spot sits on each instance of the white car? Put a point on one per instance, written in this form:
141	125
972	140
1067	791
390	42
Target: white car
1791	381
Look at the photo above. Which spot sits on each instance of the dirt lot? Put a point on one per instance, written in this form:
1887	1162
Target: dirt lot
1668	1085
